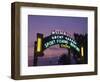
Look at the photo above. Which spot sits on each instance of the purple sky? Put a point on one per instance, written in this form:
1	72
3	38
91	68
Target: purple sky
45	24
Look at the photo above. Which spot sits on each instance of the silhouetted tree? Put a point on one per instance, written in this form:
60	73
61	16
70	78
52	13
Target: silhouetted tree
64	59
82	41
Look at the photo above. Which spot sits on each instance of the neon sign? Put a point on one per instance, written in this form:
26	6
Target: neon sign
60	39
56	37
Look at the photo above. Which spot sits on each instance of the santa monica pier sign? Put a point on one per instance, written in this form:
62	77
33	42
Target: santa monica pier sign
56	37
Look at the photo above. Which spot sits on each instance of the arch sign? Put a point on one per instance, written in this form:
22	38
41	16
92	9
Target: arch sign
56	37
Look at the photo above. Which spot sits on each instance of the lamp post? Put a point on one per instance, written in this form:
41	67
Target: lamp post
38	48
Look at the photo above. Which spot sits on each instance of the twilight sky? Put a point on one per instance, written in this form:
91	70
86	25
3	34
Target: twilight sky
45	24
